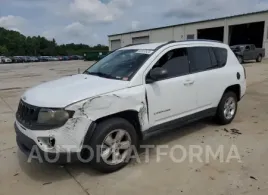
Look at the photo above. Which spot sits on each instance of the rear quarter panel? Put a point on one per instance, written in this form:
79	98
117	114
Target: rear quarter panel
228	76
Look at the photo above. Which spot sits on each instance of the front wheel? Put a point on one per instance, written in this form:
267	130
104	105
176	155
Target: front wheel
227	108
112	144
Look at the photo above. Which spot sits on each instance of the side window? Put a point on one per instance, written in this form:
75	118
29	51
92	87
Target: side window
221	56
247	48
252	47
175	62
199	58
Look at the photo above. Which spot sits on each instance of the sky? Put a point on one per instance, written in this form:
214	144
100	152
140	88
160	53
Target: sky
90	21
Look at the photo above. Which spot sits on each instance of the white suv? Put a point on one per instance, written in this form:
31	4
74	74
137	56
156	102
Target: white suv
128	96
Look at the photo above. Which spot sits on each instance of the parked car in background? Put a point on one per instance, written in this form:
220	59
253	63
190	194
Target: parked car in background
34	59
27	59
40	58
16	59
80	58
5	59
76	57
1	59
248	52
19	59
43	58
53	58
60	58
65	58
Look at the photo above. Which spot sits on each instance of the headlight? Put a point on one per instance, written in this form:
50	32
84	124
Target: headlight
53	117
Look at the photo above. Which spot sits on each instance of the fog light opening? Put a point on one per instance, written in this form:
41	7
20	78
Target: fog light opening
47	141
51	142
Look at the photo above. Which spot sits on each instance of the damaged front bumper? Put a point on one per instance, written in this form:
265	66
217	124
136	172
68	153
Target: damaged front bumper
68	141
33	152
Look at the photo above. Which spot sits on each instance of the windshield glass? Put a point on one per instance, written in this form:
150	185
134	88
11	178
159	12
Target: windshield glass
121	64
237	47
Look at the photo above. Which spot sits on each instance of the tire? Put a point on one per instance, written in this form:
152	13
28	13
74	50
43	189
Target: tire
240	59
259	58
221	116
110	128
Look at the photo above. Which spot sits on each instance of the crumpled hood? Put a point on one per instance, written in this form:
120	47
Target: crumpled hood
67	90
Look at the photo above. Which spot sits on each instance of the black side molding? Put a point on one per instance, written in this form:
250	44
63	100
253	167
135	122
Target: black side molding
90	132
178	122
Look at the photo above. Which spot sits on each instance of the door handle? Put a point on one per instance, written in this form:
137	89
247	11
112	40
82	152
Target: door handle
188	82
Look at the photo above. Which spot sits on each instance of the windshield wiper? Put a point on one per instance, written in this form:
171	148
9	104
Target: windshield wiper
100	74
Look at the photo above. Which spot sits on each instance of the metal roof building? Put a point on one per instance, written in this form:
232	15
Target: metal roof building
249	28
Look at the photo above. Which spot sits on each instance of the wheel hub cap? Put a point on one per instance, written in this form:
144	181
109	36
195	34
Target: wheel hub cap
116	147
229	108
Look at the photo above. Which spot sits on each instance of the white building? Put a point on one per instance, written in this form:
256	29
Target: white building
250	28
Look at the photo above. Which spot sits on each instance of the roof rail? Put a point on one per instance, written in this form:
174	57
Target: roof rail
165	44
206	40
173	41
149	43
133	44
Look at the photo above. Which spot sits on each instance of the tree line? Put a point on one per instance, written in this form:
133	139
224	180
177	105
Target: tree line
13	43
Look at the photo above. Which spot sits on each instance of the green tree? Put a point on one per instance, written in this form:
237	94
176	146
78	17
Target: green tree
3	50
14	43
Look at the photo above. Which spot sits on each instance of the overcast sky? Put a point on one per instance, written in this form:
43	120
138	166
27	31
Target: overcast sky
90	21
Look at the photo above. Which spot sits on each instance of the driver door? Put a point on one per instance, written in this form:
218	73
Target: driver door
175	96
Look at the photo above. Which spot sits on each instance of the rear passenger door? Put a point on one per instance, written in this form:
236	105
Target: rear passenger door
205	64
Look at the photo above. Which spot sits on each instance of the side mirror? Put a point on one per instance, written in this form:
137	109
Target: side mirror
157	74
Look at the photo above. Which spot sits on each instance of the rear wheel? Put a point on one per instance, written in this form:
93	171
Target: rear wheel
227	108
112	144
259	58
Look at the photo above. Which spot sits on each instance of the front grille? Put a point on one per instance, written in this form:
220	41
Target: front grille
27	114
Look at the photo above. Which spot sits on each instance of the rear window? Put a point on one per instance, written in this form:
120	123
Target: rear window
221	56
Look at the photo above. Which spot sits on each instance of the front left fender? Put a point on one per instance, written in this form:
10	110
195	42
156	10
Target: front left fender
106	105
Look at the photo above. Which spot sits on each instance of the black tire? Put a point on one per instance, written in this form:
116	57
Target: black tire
259	58
220	116
240	59
102	130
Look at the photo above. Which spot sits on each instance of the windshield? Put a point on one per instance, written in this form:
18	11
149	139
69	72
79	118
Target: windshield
120	64
237	47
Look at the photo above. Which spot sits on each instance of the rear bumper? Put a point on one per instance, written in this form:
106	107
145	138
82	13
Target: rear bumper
33	151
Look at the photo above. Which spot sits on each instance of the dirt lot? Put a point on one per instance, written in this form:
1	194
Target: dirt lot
159	176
